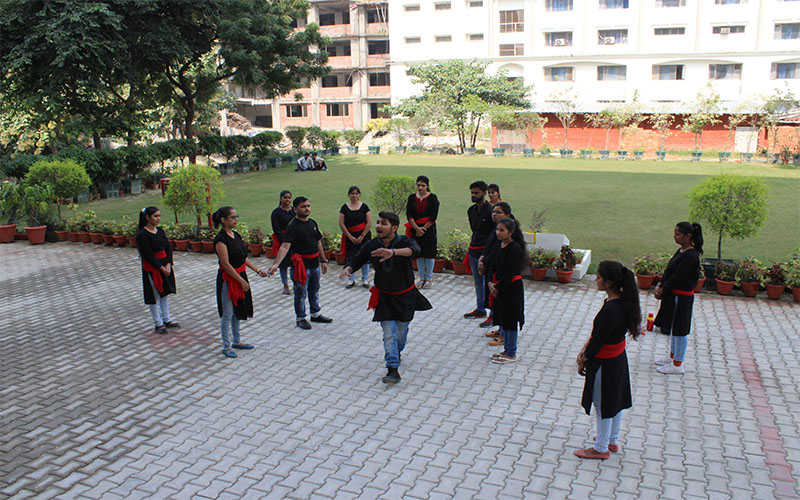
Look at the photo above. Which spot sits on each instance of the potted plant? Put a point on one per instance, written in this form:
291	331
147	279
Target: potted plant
181	235
35	204
791	272
545	150
701	280
663	260
72	226
565	265
638	154
255	241
129	230
107	230
10	205
119	233
645	267
86	225
725	276
352	137
457	248
440	259
586	153
541	260
774	280
207	238
750	274
95	230
60	228
64	177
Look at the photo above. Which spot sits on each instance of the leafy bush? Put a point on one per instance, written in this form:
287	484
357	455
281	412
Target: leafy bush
17	166
194	189
457	245
726	271
10	202
749	270
567	260
774	274
110	166
646	265
297	135
353	136
330	139
314	136
265	142
183	232
36	203
391	192
377	126
137	158
86	221
236	146
256	236
64	177
791	270
211	144
542	258
331	241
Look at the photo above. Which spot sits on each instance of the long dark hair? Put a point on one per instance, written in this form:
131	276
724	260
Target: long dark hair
516	235
280	196
144	214
424	178
694	229
220	214
622	279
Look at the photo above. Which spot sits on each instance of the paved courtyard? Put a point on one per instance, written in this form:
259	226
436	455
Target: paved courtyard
93	404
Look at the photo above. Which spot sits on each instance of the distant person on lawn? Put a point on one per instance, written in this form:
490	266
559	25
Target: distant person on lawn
304	163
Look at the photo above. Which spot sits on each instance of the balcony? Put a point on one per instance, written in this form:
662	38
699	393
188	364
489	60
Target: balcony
338	62
336	30
379	91
378	29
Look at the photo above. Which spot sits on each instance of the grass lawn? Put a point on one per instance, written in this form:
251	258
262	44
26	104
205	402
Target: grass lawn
616	209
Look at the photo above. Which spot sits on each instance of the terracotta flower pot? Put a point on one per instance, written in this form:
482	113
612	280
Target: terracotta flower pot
328	254
7	232
256	249
438	265
725	287
340	258
796	293
96	238
656	279
459	267
181	245
132	241
74	236
197	246
61	235
172	243
120	240
21	236
269	253
35	234
564	276
750	289
645	281
700	283
448	264
84	237
538	273
774	292
208	246
108	240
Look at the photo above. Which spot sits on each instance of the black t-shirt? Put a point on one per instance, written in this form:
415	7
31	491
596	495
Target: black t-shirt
280	218
304	237
481	223
355	217
682	271
150	244
237	250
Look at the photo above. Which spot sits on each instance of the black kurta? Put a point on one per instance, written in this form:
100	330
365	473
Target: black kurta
392	275
508	311
427	242
675	312
149	245
280	219
610	327
353	218
237	254
481	223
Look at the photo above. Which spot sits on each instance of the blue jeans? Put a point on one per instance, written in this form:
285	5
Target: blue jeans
284	275
310	289
228	322
510	341
480	284
425	267
159	311
677	347
607	428
364	274
394	341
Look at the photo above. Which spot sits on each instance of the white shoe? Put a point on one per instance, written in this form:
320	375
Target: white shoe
662	361
671	368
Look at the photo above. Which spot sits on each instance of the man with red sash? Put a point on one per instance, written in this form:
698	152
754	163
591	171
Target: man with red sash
394	297
480	221
303	244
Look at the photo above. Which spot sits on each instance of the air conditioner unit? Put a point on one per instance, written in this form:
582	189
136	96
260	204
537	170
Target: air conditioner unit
725	30
609	40
559	42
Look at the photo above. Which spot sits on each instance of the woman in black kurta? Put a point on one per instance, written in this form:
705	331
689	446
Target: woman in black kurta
280	218
508	310
676	291
603	360
234	300
486	266
355	220
158	275
422	210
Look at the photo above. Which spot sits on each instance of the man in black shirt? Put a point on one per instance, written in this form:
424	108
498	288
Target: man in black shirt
303	243
480	221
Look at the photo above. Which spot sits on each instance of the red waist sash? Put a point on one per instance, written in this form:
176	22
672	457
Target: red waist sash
358	228
491	297
466	258
375	295
683	292
611	350
276	244
300	274
420	222
155	273
235	290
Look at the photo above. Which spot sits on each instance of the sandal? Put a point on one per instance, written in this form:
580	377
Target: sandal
492	334
591	453
496	341
503	358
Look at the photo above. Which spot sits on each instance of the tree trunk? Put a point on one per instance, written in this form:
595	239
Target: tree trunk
189	124
566	135
608	134
96	140
719	247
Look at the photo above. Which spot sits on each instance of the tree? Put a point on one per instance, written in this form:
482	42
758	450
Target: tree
398	127
194	189
604	120
564	108
314	137
353	136
662	122
391	192
265	142
773	107
704	111
330	139
64	178
297	135
457	94
732	205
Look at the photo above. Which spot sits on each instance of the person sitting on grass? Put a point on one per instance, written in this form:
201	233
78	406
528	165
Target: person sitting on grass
304	163
318	163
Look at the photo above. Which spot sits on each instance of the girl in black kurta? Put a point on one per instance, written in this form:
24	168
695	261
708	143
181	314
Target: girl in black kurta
422	210
676	291
508	310
355	220
158	276
486	266
280	218
234	300
603	360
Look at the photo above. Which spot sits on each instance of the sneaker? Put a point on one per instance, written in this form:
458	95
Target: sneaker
392	376
662	361
320	319
365	284
286	291
304	324
172	324
161	329
475	314
350	285
503	359
486	323
671	368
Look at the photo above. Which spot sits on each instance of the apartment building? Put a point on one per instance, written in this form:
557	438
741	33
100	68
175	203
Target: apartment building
358	85
599	52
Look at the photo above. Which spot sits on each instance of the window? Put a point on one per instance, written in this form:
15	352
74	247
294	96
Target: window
669	31
785	70
295	110
442	6
558	5
562	74
511	21
613	4
727	30
511	49
330	81
443	38
411	8
412	39
670	3
263	121
378	79
476	3
668	72
724	71
612	37
338	50
788	31
375	110
558	39
729	2
378	47
327	19
377	16
608	73
475	37
342	109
